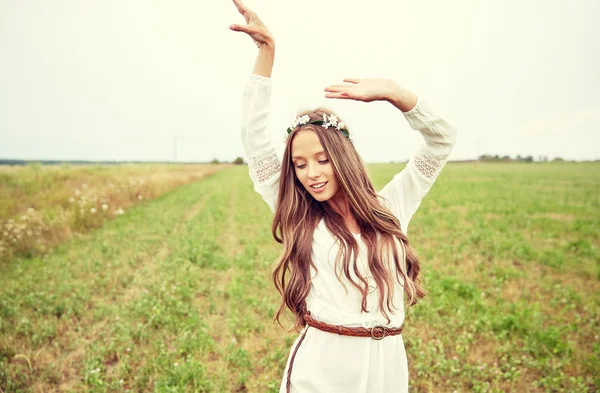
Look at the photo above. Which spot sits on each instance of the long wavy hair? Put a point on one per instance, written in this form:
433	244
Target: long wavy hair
297	214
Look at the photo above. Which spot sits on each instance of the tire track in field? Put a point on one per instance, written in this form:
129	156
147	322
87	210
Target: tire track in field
161	253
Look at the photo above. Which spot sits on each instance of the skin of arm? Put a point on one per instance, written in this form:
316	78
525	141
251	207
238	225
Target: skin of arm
401	98
263	65
261	36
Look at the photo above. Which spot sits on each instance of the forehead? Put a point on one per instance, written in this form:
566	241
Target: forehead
306	143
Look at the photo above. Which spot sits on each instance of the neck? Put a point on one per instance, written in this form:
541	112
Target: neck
340	204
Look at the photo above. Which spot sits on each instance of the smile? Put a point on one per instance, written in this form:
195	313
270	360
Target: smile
318	186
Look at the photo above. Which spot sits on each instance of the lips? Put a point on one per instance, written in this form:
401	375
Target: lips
319	186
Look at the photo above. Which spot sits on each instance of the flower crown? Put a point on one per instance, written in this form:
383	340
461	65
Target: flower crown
328	120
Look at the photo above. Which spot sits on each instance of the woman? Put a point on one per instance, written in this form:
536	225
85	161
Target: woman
346	261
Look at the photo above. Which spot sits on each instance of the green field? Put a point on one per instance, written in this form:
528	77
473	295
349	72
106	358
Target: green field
176	296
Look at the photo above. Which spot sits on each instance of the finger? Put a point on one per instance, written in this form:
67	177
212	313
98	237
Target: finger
352	80
241	7
337	88
337	95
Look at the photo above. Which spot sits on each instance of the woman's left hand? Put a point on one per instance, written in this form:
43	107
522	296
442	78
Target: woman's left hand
373	89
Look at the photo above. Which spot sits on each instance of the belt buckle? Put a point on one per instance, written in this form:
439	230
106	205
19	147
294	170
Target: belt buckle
378	332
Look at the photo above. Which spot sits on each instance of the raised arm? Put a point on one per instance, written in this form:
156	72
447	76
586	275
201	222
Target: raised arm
263	163
406	190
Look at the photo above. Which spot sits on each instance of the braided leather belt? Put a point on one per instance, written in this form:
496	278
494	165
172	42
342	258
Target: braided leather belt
376	332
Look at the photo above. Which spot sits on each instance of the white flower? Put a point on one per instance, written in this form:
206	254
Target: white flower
333	120
341	125
93	210
302	119
71	199
104	206
325	122
30	210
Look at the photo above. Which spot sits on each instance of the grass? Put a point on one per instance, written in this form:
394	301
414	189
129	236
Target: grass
175	295
44	205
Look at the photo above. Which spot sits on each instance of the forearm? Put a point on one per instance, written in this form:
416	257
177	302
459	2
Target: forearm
264	60
401	98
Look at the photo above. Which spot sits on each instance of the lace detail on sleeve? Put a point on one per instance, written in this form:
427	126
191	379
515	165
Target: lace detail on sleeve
427	165
265	166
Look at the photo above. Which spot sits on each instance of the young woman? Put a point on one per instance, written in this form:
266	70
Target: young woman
346	263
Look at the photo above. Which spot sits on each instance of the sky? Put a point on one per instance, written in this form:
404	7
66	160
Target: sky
163	81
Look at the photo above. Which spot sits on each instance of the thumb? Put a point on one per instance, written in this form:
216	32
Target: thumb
238	28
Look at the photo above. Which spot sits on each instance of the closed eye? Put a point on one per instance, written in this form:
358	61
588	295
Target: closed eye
322	162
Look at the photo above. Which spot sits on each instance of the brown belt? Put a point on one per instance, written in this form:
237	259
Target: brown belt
376	333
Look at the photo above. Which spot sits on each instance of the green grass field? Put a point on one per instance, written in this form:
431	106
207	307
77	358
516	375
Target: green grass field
176	296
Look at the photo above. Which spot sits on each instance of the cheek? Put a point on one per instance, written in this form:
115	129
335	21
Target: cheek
300	177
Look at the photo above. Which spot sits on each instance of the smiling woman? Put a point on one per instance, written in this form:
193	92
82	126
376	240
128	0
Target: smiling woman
347	262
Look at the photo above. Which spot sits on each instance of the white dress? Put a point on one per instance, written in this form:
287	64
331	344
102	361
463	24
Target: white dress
327	362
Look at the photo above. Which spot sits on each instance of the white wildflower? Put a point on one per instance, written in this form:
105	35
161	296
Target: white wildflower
31	210
140	197
333	120
303	119
341	125
93	210
104	206
71	199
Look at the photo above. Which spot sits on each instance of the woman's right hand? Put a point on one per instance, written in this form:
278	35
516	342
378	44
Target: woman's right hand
255	28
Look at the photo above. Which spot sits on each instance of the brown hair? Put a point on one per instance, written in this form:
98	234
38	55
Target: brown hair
297	214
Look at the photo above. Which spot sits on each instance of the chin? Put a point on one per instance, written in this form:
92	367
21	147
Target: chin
321	198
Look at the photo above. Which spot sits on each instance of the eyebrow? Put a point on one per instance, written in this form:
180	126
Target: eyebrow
316	154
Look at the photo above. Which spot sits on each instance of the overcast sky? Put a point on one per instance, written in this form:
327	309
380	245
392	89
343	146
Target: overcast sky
140	80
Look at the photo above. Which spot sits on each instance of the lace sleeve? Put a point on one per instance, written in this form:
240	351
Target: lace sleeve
404	193
264	167
429	166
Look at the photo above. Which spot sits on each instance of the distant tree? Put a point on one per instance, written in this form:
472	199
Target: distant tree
558	159
528	159
238	161
214	161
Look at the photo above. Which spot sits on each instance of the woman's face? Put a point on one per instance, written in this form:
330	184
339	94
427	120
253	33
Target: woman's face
312	166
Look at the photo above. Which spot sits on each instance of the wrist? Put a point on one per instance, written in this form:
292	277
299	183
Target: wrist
268	46
401	98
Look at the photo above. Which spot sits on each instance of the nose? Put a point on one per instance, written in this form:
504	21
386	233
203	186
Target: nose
313	171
